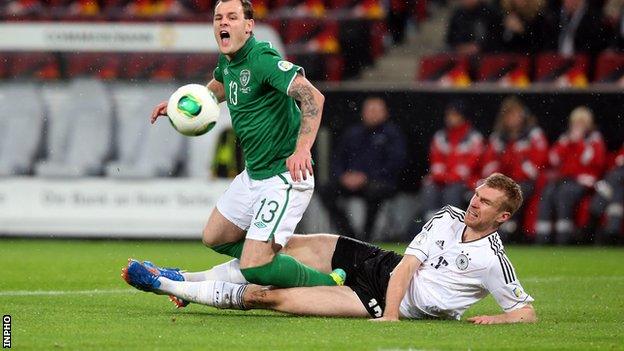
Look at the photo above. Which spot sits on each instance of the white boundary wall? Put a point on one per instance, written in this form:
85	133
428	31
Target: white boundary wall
100	207
128	37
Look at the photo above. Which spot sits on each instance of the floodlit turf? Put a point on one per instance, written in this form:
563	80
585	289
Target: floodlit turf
579	296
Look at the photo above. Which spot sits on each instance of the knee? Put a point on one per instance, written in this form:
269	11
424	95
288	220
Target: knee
208	237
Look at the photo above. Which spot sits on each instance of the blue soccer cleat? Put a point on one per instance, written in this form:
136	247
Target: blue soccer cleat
169	273
172	274
140	277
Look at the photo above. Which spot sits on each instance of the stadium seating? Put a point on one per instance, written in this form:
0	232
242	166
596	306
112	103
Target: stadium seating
144	151
21	125
609	67
80	130
552	67
440	67
508	68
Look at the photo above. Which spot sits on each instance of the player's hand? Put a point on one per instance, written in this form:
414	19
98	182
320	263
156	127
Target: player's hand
485	320
299	164
385	319
159	110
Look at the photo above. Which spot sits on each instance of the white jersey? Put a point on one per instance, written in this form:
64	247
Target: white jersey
455	275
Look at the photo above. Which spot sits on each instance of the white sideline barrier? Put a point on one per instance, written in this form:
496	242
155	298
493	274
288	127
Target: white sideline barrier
120	37
100	207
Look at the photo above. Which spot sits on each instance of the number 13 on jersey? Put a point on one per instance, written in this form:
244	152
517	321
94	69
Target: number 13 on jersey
233	93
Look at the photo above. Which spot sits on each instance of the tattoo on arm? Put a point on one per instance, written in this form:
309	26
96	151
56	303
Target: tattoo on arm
303	92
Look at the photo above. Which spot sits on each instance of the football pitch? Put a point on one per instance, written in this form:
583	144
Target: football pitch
67	295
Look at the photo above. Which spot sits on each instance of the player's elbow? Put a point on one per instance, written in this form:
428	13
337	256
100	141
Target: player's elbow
321	97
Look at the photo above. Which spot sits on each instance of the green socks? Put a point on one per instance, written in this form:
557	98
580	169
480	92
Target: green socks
286	272
231	249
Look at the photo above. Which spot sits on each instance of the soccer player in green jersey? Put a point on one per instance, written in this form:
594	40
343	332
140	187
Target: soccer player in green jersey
258	213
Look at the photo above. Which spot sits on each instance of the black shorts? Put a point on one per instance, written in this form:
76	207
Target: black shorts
368	271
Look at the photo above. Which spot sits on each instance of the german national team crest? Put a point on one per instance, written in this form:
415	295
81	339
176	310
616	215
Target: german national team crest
462	261
245	75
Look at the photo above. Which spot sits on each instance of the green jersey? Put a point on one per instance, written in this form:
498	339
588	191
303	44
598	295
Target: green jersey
265	119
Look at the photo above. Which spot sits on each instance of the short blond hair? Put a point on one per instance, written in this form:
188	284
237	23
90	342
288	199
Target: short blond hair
582	113
511	189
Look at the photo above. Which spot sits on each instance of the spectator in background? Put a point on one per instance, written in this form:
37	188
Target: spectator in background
517	148
474	27
366	164
579	29
614	15
399	12
525	25
454	157
577	161
609	201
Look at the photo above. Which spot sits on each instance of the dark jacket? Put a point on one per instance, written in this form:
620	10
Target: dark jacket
481	25
590	36
380	152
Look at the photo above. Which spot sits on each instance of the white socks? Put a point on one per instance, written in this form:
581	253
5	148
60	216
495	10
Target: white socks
227	272
218	294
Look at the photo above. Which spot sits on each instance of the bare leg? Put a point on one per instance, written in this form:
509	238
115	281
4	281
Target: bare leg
314	250
219	230
328	301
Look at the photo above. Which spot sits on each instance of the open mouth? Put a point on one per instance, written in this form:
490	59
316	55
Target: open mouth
472	213
225	37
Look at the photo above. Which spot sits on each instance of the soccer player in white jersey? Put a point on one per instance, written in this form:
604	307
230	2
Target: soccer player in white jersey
455	261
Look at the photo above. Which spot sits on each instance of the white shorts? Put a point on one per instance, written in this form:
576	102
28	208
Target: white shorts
267	209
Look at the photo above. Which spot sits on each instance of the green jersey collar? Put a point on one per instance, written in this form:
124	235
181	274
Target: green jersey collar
243	51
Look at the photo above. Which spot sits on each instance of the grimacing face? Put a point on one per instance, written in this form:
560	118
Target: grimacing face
231	29
484	211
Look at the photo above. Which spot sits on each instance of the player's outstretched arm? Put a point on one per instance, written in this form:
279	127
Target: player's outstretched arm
525	314
215	86
399	281
311	100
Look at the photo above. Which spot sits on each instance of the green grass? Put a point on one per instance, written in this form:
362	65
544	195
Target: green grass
579	295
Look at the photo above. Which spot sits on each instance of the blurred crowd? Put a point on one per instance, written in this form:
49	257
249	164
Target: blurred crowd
528	26
573	188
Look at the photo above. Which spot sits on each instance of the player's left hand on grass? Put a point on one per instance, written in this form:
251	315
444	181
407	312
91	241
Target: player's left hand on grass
485	320
299	164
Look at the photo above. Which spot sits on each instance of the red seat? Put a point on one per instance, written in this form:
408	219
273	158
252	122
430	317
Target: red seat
435	67
93	64
39	65
196	66
552	67
609	67
507	67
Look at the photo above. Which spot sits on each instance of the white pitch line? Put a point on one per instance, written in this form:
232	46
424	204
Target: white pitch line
66	292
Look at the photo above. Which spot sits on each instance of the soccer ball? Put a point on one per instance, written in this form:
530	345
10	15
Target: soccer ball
193	110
